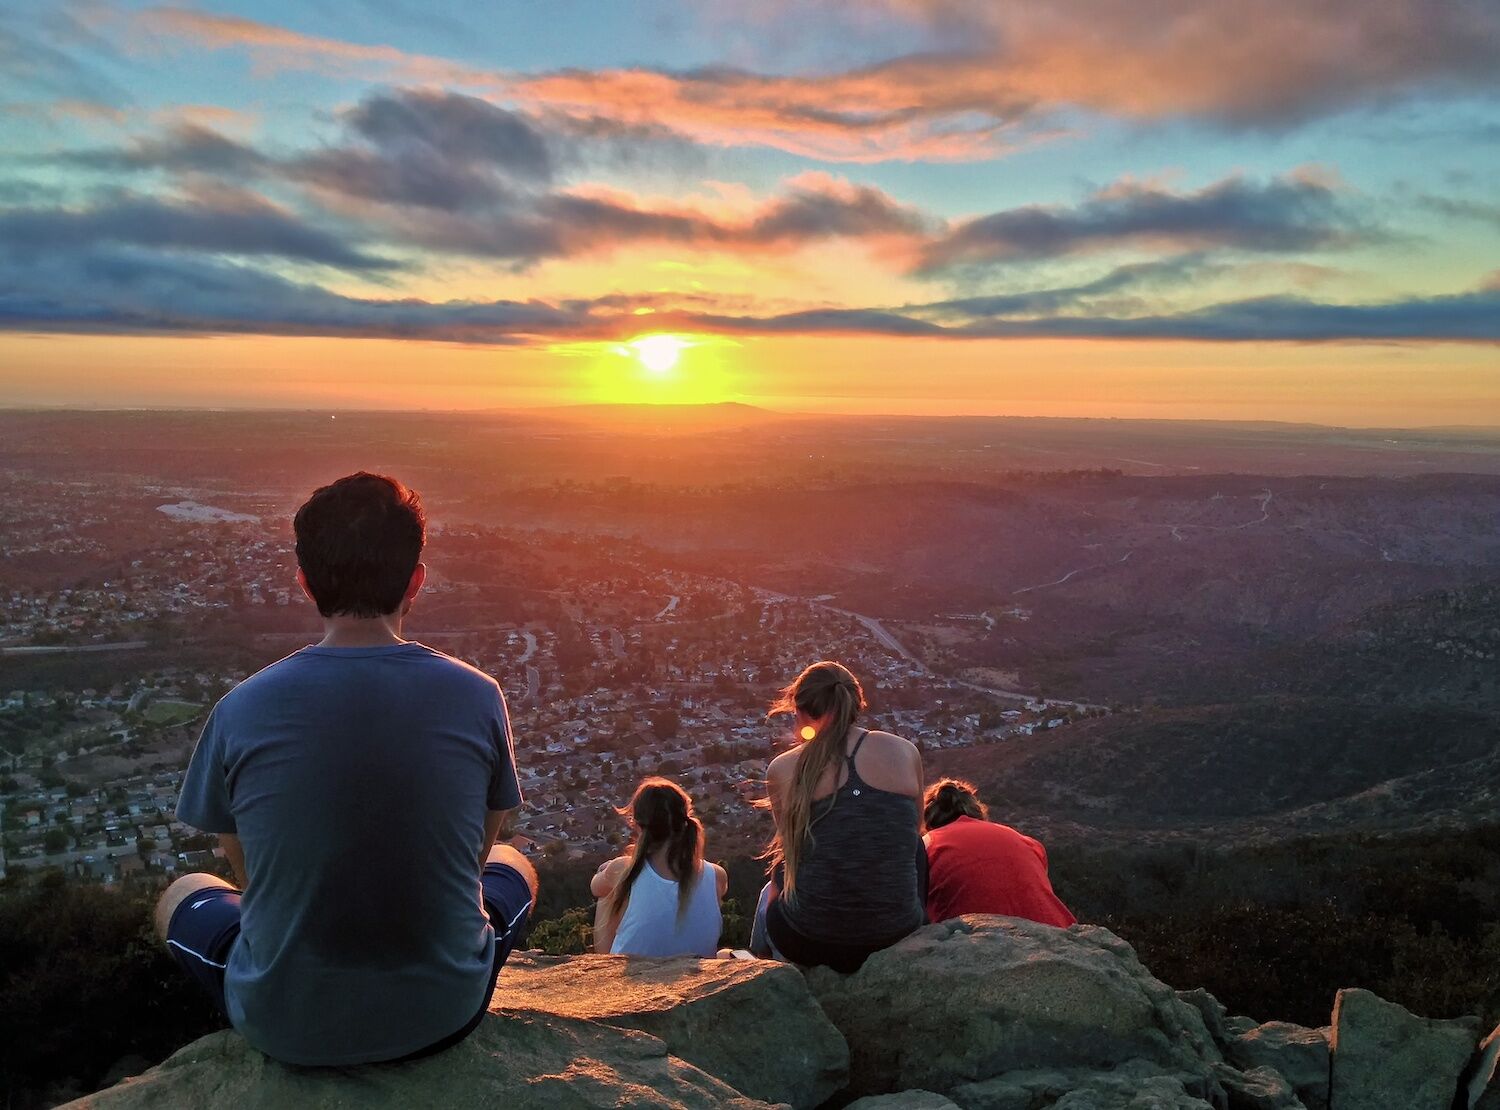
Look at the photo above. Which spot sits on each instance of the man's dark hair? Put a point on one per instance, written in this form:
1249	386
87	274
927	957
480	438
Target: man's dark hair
358	541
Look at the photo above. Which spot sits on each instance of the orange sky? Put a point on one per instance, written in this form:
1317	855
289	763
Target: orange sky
1357	385
1216	210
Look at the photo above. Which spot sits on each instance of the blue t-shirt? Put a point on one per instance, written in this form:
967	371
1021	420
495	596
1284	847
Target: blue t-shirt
357	780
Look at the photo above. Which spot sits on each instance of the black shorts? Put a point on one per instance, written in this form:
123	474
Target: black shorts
843	958
204	927
809	952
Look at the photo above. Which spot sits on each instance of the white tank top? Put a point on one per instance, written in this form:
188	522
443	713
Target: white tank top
651	926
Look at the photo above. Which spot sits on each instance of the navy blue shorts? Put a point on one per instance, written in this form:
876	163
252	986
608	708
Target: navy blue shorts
204	927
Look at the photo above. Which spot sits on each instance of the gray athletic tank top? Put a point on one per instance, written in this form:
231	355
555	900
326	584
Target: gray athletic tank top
857	876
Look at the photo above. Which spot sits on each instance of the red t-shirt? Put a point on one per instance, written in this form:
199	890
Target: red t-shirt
982	867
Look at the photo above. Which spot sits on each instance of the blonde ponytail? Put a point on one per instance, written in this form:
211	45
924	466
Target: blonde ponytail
826	691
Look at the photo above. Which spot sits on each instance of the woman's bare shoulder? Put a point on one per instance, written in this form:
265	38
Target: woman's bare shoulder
891	741
783	764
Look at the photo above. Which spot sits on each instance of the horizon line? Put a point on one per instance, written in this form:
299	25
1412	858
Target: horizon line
680	406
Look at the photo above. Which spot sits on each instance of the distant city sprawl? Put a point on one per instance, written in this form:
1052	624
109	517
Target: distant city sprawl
614	666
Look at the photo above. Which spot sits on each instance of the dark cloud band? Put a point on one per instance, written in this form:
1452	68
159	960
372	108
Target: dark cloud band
106	289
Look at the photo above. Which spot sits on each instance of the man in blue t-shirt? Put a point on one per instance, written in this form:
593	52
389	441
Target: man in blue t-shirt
358	788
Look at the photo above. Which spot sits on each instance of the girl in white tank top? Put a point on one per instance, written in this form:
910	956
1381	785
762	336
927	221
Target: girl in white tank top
643	910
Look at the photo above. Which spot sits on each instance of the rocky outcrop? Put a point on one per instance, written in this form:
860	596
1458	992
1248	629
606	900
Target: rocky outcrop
1296	1053
752	1023
977	997
1133	1083
1211	1010
542	1064
1387	1058
981	1013
1259	1088
905	1100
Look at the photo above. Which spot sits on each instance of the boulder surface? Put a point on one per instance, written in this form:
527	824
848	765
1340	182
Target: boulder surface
510	1060
1258	1089
976	997
1214	1015
1295	1052
751	1023
904	1100
979	1013
1031	1089
1387	1058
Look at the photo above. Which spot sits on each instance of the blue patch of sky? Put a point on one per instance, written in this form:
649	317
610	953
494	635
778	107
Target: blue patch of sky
511	35
1447	146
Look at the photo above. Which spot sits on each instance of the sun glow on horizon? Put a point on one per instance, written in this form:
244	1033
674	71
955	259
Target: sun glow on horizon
659	354
671	368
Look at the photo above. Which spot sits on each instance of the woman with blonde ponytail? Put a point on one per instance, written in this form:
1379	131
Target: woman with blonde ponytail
847	861
660	898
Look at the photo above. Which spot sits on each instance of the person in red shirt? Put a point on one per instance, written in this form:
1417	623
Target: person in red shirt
979	866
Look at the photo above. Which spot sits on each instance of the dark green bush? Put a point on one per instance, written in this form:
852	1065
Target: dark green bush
83	985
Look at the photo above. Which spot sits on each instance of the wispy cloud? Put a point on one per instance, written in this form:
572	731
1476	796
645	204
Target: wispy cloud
1295	213
1020	65
44	56
453	174
220	223
1464	317
109	288
277	48
1264	64
1464	208
184	148
1031	302
454	128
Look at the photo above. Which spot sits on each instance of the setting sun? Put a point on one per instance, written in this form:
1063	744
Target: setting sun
658	368
657	353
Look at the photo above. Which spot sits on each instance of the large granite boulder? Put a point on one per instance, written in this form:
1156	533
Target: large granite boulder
751	1023
1036	1088
1483	1089
510	1060
1387	1058
977	997
1211	1010
904	1100
1297	1053
1257	1089
1159	1092
979	1013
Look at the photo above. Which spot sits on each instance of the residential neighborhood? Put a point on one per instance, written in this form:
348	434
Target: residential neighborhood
614	667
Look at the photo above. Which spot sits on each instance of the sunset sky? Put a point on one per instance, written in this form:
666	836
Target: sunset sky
1165	208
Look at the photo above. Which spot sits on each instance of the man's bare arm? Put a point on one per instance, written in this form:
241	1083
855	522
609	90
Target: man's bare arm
234	852
499	824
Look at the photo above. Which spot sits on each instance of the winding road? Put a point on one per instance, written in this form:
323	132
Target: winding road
1265	497
887	639
1071	573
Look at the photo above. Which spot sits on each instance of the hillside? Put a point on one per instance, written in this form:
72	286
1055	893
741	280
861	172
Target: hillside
1267	768
1437	648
